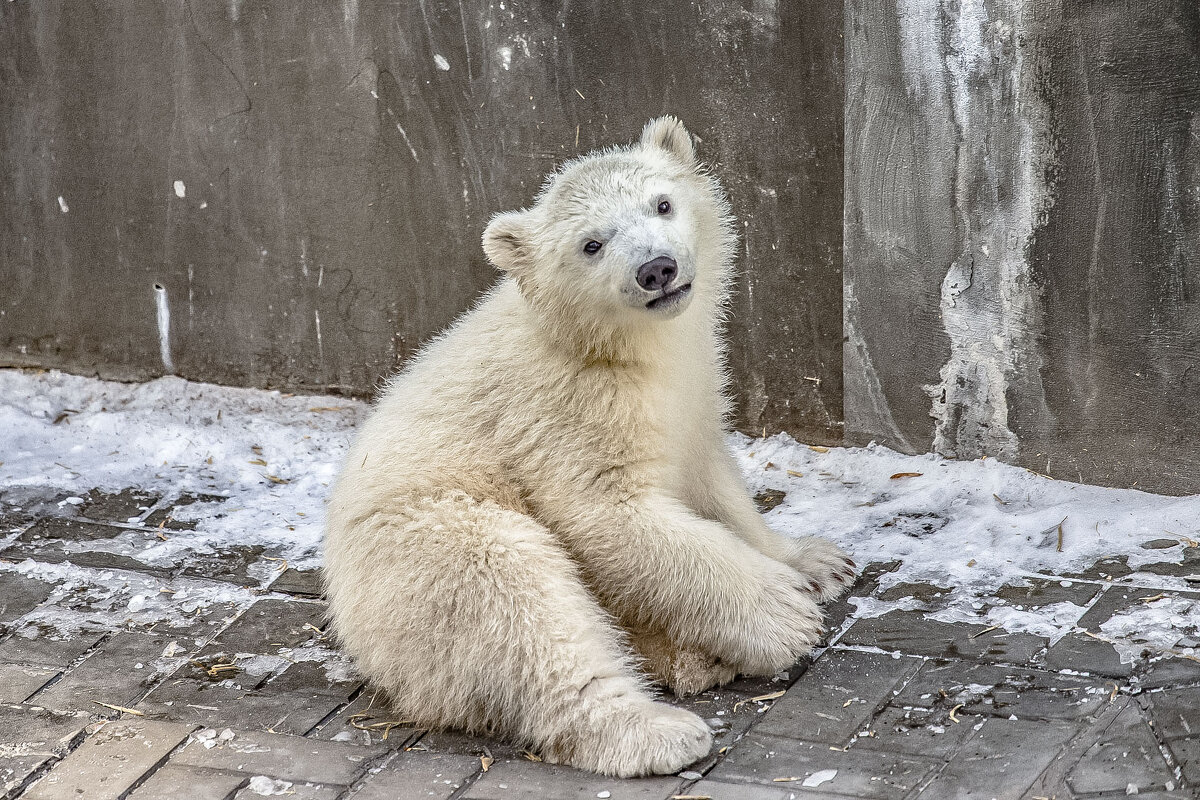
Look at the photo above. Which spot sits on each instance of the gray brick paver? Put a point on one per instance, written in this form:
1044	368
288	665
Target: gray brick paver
20	595
836	696
290	758
909	632
1081	653
1126	755
1001	761
374	711
996	690
418	776
1176	712
109	762
519	779
1064	724
1163	671
18	682
301	583
765	760
1043	592
931	734
109	675
290	791
1186	753
269	625
34	646
29	738
116	506
731	711
172	781
232	565
719	790
229	705
311	675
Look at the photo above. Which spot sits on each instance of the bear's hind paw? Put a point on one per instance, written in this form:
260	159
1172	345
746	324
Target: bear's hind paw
628	740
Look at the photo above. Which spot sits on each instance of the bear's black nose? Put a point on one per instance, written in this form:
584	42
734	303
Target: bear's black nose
657	274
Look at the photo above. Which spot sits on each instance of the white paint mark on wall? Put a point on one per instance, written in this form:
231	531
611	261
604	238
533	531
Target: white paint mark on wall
62	205
440	61
204	204
320	343
350	12
164	327
403	133
408	142
180	189
967	69
505	54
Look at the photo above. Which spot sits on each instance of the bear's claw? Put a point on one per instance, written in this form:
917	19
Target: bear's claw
824	563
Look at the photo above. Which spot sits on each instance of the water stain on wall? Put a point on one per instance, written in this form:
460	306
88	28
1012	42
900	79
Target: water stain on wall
1029	171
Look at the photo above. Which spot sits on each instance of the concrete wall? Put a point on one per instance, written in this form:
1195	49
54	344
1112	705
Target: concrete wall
1023	233
307	186
302	186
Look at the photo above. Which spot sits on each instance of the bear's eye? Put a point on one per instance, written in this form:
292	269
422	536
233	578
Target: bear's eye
592	247
664	207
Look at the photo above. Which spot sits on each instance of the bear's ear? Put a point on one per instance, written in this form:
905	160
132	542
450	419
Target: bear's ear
667	133
506	240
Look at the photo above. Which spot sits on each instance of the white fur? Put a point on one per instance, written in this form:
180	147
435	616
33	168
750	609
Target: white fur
546	487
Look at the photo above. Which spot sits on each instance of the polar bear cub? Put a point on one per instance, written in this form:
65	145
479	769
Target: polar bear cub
542	514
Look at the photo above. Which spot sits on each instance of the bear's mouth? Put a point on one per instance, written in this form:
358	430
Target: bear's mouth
669	297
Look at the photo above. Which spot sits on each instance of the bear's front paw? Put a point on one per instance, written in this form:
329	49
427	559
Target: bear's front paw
784	625
826	566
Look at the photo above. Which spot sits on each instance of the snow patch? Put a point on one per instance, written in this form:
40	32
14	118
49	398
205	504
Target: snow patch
262	785
819	777
272	455
968	526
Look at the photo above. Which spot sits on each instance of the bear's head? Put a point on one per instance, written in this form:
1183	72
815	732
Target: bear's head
622	238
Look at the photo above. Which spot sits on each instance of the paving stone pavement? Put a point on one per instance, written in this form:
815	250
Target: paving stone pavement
234	691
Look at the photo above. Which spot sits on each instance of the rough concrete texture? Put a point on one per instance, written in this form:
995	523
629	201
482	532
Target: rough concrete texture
1022	234
246	698
293	196
252	195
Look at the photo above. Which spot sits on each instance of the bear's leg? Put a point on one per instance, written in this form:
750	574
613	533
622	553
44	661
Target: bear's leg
472	616
684	670
655	563
720	493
